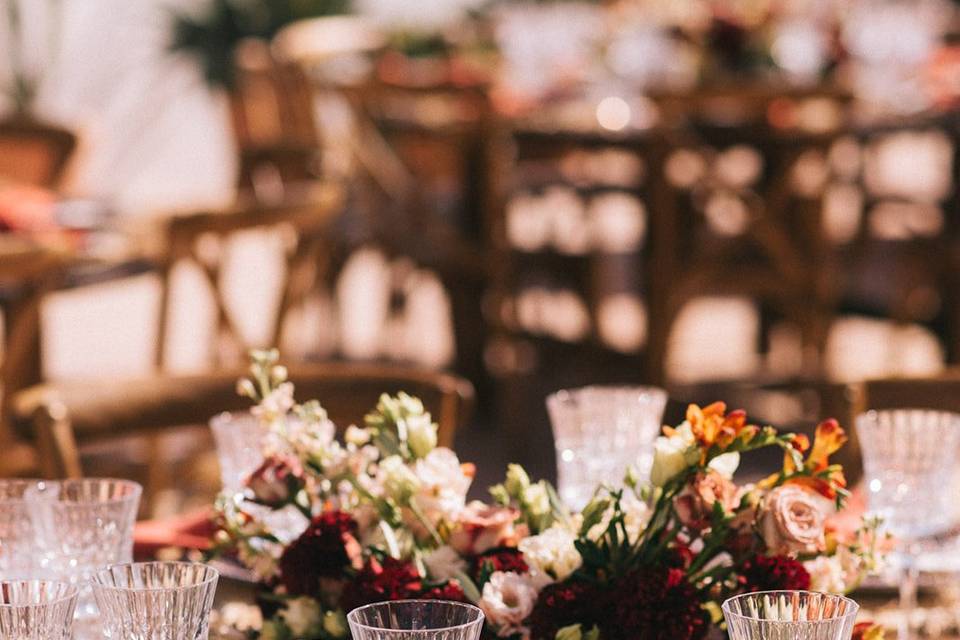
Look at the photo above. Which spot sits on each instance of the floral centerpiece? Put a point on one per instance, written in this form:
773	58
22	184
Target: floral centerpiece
328	525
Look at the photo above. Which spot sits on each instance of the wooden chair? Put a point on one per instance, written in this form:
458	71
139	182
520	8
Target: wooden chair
191	238
65	417
34	153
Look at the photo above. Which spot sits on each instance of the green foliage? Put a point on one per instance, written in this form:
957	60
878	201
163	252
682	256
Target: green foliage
212	36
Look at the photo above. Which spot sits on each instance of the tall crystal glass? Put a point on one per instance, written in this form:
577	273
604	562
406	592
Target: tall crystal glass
600	431
82	526
790	615
37	609
239	440
17	541
155	600
908	459
416	620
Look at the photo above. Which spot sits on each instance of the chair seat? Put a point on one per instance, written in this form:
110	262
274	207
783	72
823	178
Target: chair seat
100	409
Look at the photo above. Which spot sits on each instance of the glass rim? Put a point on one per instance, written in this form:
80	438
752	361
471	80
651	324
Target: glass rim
564	395
72	592
853	607
475	610
25	482
211	575
133	492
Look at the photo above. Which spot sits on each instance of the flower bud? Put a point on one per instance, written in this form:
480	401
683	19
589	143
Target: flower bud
421	435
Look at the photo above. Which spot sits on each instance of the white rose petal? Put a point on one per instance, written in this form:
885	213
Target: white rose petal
726	464
672	454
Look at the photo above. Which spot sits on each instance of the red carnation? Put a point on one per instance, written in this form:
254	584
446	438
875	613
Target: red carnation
499	559
773	573
655	603
326	549
392	579
565	603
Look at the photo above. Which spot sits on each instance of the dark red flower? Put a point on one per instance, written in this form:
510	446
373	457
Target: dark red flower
565	603
392	579
773	573
276	482
499	559
655	603
327	549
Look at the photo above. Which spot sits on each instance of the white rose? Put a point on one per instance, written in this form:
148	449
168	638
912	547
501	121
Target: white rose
421	434
444	563
507	600
672	454
303	616
552	552
443	487
537	499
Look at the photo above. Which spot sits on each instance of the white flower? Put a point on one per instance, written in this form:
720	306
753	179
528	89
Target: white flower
444	563
442	490
552	552
303	616
260	557
276	404
672	454
356	436
507	600
726	464
421	434
536	499
397	480
826	574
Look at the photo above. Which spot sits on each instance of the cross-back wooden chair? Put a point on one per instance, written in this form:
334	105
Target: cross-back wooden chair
200	239
65	417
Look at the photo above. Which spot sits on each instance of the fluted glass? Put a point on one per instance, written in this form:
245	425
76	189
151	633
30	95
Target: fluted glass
599	432
416	620
155	600
790	615
17	541
36	609
908	460
238	438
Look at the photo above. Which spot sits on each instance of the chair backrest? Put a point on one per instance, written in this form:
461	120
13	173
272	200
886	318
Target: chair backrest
201	238
66	417
34	153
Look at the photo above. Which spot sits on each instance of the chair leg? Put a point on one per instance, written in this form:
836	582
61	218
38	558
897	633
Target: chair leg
59	454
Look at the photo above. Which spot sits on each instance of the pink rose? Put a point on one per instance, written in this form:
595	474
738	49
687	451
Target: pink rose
276	481
695	504
480	527
792	520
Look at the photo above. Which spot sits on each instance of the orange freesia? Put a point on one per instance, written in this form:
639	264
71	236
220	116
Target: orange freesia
828	439
711	425
867	631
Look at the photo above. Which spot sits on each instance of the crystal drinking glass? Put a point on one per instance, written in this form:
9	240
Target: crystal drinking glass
17	541
416	620
155	600
600	431
908	460
239	438
36	609
81	526
790	615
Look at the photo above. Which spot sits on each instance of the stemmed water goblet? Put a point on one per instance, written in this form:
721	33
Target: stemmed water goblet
790	615
599	432
80	526
908	459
